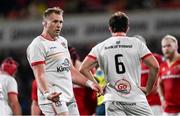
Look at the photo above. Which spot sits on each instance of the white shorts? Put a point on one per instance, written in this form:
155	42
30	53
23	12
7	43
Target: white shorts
58	108
157	110
171	114
116	108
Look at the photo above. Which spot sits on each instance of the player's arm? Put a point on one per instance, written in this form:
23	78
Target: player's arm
14	103
153	65
87	65
80	79
39	73
161	93
35	110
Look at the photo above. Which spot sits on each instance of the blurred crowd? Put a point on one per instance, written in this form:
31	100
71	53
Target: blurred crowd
22	9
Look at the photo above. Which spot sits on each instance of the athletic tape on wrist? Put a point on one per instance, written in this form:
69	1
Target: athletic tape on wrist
89	83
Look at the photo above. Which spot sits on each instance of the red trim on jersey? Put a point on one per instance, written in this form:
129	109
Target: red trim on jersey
91	56
38	62
147	55
12	93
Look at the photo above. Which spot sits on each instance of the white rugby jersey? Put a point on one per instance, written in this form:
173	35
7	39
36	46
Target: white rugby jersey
57	60
119	57
8	85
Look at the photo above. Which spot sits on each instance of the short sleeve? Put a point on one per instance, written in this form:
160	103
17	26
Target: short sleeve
143	50
12	85
36	54
93	53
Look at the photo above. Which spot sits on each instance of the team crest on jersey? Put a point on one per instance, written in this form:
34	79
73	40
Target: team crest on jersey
123	86
63	44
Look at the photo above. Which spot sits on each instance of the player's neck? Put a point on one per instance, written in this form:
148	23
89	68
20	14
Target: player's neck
119	34
48	36
173	59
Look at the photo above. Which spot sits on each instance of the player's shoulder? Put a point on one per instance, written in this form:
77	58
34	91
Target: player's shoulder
135	39
36	40
62	38
8	78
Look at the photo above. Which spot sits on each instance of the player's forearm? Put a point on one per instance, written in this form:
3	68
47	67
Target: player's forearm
35	110
87	73
160	90
16	109
77	77
42	83
153	75
40	78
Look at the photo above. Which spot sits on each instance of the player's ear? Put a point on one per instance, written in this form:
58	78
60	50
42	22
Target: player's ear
110	29
44	23
128	29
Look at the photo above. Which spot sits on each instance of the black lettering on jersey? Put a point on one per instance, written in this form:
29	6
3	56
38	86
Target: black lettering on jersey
118	46
61	69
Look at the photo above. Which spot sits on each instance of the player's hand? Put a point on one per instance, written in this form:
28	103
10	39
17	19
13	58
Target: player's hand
97	88
54	97
163	102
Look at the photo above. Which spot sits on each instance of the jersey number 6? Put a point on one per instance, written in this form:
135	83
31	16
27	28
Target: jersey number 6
120	68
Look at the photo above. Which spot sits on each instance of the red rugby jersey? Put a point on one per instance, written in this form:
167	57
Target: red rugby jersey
170	76
153	97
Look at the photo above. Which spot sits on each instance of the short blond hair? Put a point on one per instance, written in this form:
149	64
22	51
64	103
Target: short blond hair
170	37
49	11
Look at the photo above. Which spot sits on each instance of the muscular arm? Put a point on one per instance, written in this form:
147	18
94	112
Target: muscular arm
14	103
160	89
153	65
87	65
39	73
80	79
35	110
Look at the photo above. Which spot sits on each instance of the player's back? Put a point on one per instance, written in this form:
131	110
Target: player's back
120	57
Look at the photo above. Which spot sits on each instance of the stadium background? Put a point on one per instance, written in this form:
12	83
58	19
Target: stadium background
85	24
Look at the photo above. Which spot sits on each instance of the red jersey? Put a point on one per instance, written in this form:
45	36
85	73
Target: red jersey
153	98
34	91
170	76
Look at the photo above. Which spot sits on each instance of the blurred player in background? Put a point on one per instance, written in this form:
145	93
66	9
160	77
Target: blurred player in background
9	102
153	98
82	94
35	110
50	61
120	58
99	76
170	77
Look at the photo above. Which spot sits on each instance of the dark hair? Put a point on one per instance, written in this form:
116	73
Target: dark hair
49	11
118	22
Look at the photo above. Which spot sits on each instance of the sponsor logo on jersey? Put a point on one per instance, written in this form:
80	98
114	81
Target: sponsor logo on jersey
65	66
123	86
53	47
117	46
